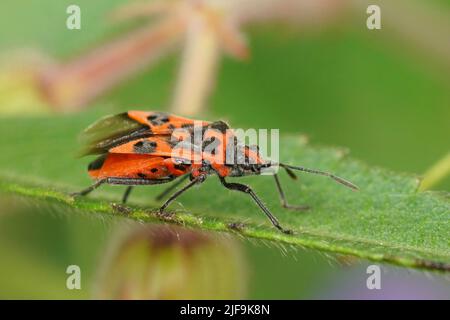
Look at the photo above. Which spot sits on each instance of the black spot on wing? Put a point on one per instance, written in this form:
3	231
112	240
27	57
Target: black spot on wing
158	118
187	125
97	163
141	175
145	146
153	170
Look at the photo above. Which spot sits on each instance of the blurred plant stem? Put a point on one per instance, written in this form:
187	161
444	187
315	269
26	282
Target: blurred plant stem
166	262
436	173
215	26
76	83
205	29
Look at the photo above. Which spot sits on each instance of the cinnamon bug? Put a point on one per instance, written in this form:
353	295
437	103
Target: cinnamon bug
149	148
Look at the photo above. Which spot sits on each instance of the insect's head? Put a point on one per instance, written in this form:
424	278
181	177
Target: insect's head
249	161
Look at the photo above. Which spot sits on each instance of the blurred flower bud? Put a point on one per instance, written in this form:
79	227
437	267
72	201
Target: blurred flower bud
19	89
166	262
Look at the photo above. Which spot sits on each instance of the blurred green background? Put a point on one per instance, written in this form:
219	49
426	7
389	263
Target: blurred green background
342	84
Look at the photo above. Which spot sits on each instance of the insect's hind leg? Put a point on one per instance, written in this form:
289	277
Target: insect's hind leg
283	199
120	181
126	194
89	189
192	183
246	189
159	196
171	187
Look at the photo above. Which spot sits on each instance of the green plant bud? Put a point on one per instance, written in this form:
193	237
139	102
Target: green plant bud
19	94
166	262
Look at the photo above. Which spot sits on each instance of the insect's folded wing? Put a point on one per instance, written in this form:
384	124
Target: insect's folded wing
161	146
109	131
117	130
164	123
155	146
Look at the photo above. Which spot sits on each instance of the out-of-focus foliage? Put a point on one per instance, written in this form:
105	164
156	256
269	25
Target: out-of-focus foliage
161	262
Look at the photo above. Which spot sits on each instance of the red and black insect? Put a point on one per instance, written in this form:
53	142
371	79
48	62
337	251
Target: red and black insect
148	148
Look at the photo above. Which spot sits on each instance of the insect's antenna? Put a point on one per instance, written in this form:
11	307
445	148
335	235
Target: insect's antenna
322	173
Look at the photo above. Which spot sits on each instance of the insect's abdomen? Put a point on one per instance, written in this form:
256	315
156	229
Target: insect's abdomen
139	166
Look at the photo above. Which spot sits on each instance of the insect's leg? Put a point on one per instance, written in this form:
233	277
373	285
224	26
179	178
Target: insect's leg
171	187
126	194
89	189
119	181
284	202
246	189
199	179
132	182
136	181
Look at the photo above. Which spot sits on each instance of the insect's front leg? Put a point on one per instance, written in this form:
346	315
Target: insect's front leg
193	182
283	200
246	189
171	187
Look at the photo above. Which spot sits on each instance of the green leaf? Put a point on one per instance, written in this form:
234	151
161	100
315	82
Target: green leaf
387	221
